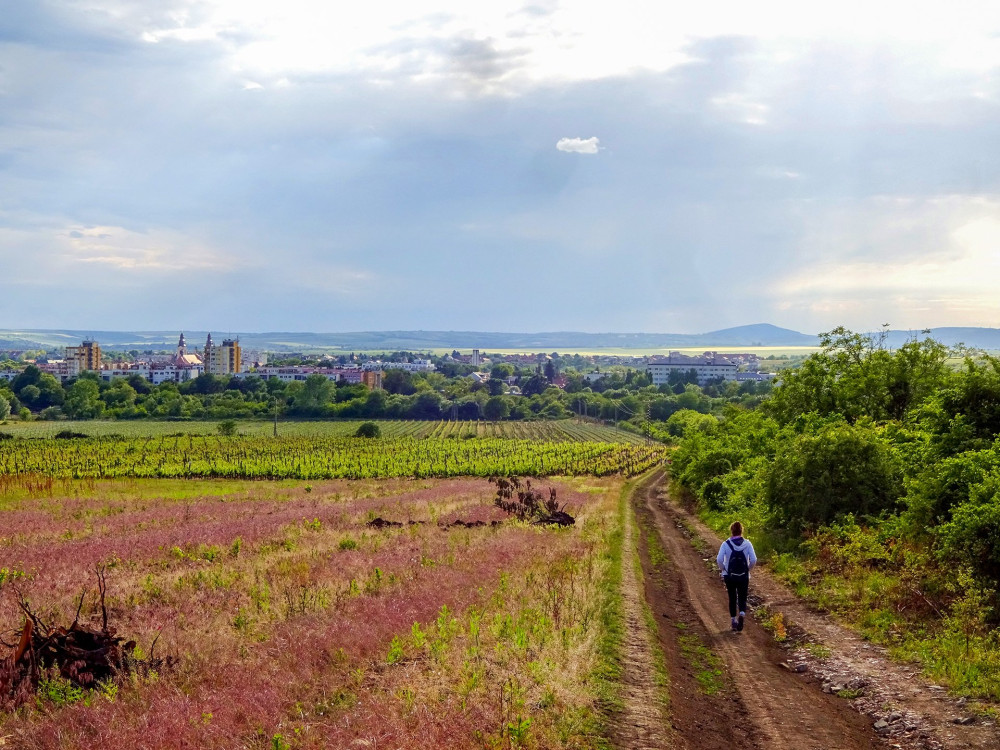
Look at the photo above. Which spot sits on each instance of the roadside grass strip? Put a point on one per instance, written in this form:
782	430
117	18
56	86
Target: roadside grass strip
658	660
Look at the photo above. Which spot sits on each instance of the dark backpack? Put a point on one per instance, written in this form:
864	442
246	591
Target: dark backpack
737	561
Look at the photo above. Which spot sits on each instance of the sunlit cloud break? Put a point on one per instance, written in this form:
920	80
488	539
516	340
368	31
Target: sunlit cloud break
579	145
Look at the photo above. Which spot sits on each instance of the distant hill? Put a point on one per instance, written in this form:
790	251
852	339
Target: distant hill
760	334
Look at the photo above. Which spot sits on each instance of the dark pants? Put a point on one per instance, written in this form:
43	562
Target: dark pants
736	587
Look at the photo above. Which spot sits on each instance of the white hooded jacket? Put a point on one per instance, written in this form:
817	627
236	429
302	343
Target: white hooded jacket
740	544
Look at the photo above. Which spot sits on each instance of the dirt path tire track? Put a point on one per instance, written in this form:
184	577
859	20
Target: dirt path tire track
642	724
784	711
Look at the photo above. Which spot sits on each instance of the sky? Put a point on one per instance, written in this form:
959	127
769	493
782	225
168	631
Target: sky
243	165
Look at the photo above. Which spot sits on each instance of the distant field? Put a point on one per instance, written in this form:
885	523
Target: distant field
760	351
554	431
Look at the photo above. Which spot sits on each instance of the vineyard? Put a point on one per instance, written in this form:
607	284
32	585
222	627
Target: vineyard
555	430
192	456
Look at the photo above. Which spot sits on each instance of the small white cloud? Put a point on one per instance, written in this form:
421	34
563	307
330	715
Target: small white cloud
251	86
579	145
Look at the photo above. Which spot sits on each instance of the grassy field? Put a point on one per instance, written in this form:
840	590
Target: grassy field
296	625
562	430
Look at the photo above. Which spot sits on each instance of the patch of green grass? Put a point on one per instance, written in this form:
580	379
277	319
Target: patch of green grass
654	547
818	650
790	570
707	666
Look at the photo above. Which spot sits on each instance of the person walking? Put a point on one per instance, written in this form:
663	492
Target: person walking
736	559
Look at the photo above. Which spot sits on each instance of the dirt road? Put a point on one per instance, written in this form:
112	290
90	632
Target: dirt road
760	703
743	690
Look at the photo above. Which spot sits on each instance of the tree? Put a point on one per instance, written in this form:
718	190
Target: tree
29	395
426	406
4	408
119	395
495	387
533	386
51	392
399	382
375	404
496	408
204	384
501	371
139	384
855	376
83	401
550	370
29	376
313	397
227	428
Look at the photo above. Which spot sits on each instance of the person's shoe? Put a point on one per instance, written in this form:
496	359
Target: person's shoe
735	625
739	622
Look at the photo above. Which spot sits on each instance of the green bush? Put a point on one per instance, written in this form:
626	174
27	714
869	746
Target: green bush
368	430
69	435
843	469
970	538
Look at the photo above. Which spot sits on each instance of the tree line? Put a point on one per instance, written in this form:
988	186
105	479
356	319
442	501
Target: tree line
622	395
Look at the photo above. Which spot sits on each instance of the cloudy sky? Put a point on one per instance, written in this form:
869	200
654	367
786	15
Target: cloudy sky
632	166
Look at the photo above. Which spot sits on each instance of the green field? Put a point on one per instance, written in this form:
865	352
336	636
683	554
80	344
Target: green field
557	431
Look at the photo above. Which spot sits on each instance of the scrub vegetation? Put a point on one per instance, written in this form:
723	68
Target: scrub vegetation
870	480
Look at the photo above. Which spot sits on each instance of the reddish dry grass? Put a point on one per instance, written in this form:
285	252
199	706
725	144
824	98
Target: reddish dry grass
235	689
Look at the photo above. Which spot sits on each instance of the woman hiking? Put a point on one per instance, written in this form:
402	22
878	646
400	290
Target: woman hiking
736	559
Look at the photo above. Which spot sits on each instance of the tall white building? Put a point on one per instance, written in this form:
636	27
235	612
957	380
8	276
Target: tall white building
708	367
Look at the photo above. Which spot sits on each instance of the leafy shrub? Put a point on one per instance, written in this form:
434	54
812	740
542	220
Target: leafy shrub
843	469
970	538
368	430
941	486
70	435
